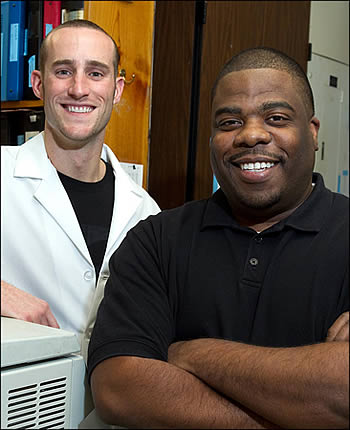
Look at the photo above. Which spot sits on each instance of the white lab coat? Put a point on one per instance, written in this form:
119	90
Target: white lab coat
43	250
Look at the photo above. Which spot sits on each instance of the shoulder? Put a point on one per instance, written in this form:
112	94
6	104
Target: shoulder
329	208
8	160
339	216
340	201
9	152
174	223
127	185
339	208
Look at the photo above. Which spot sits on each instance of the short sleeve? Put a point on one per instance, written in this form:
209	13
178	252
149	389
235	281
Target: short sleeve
135	317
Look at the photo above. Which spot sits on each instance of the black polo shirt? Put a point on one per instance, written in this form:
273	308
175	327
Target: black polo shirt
193	272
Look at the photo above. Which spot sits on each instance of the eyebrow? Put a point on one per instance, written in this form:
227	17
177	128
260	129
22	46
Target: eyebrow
233	110
68	62
230	110
273	105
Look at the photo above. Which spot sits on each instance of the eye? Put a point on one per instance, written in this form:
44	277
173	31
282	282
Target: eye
63	72
96	74
277	119
228	124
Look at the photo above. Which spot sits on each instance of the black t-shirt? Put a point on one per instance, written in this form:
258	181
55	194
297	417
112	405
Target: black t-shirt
194	272
93	206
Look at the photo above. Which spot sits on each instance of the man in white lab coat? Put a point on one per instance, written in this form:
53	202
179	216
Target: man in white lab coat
66	203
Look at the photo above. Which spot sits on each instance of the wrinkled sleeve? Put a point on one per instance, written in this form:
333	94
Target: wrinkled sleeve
135	317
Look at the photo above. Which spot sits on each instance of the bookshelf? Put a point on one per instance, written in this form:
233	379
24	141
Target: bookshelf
20	104
131	24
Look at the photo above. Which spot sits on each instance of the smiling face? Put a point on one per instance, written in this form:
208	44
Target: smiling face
263	142
79	86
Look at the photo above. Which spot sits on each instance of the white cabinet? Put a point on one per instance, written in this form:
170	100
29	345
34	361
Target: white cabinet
42	377
330	84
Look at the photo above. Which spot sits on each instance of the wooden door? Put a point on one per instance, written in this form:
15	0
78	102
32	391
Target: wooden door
130	23
230	27
171	91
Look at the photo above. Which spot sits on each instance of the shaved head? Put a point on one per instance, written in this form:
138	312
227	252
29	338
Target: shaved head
269	58
76	23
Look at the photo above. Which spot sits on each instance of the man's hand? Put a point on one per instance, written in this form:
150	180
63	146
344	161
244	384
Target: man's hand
178	352
18	304
339	330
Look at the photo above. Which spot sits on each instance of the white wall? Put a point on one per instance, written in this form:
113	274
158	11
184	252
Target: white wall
329	29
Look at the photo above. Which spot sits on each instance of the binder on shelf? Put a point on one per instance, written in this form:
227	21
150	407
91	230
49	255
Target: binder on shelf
16	50
52	16
72	10
34	38
5	5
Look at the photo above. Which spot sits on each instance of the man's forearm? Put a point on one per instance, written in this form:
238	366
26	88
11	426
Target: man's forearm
145	393
294	387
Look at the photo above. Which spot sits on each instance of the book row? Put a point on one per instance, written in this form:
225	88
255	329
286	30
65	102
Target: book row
24	24
19	125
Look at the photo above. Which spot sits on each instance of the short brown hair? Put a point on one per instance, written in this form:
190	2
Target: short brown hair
77	23
269	58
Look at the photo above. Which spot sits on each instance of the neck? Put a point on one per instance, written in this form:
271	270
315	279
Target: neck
78	160
262	221
260	224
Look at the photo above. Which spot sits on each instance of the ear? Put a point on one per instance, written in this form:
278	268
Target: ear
37	84
314	127
119	86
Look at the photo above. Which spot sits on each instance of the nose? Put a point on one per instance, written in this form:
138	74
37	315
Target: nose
79	86
252	133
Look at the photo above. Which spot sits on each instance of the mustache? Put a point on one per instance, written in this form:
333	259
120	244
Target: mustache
256	152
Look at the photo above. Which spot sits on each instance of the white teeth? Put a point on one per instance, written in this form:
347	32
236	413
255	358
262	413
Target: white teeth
79	109
256	166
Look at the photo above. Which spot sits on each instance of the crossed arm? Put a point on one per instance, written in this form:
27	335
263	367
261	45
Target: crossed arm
302	387
211	383
136	392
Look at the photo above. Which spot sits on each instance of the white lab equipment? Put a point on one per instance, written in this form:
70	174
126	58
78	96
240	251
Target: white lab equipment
42	377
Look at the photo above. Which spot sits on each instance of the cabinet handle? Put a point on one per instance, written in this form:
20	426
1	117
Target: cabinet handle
123	74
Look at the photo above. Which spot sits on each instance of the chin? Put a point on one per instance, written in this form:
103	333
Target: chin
78	135
260	201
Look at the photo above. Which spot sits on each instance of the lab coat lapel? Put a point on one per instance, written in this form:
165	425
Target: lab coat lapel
127	199
53	197
32	161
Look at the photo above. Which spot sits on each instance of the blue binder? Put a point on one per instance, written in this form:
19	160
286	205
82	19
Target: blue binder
4	47
16	50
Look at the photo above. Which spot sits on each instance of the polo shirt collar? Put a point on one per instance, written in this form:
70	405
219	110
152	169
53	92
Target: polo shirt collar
310	216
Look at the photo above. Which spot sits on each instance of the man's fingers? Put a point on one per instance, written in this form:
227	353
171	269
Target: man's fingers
52	322
19	304
339	330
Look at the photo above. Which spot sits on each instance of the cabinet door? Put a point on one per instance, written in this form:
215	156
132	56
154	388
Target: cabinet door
330	83
130	23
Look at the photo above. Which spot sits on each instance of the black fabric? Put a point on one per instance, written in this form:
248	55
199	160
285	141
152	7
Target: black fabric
93	205
193	272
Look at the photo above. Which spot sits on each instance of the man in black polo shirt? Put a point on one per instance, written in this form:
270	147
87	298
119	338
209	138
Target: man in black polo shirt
233	311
